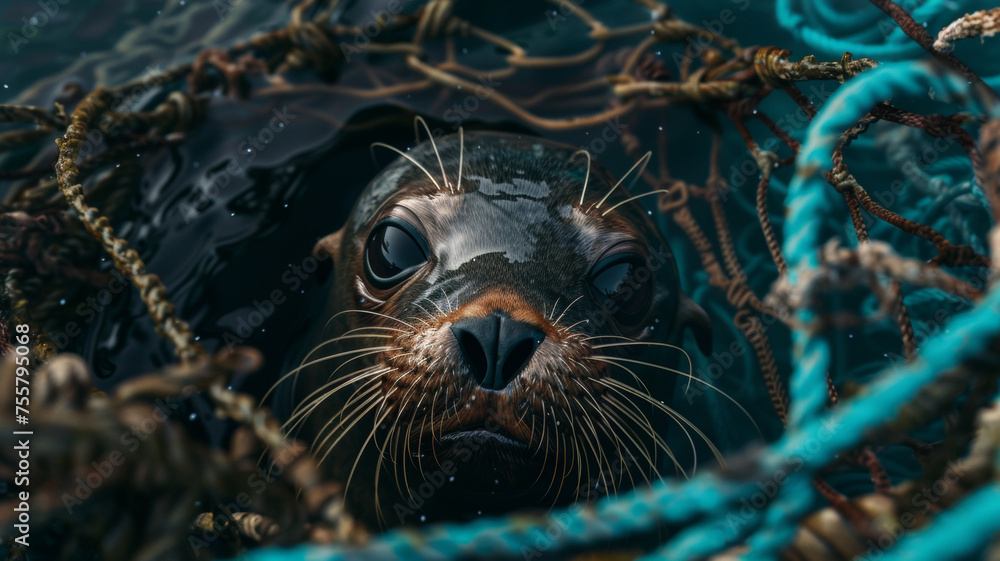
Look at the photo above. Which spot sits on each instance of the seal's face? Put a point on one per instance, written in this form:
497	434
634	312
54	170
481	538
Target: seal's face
513	333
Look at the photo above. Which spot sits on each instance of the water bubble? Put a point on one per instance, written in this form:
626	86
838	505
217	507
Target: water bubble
62	302
423	518
192	416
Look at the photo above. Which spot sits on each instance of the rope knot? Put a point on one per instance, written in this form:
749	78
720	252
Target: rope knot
767	62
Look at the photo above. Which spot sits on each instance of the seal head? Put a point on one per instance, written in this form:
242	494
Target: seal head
500	332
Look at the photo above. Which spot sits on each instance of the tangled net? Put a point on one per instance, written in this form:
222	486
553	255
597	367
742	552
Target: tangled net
183	496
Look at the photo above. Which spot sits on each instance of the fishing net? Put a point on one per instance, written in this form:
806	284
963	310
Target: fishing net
832	212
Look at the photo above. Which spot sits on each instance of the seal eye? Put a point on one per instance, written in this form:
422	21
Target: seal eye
624	282
395	251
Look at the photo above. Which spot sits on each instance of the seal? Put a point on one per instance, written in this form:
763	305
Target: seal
500	332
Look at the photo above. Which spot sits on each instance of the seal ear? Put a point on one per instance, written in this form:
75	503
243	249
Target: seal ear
325	251
690	315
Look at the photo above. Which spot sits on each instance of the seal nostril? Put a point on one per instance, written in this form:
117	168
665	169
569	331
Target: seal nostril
516	359
475	354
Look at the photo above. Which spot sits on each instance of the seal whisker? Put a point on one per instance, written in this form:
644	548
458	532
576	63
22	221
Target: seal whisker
556	322
606	423
562	480
360	454
550	315
586	178
643	161
407	156
322	392
595	445
630	199
626	389
461	157
310	403
359	413
299	368
632	342
412	329
639	447
361	394
435	304
690	376
640	418
542	442
406	435
570	328
416	130
447	299
424	310
577	457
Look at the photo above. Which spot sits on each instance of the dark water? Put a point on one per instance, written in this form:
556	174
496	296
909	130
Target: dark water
229	227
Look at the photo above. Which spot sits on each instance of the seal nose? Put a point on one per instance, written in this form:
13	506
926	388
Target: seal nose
496	347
